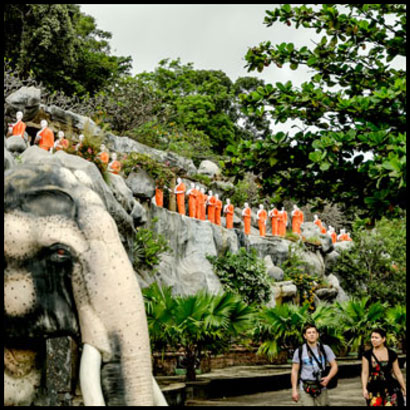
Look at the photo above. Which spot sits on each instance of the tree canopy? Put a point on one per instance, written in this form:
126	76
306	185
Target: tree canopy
204	100
351	147
61	47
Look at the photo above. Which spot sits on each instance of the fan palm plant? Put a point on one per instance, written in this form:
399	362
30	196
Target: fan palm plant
197	323
280	328
357	318
208	323
396	324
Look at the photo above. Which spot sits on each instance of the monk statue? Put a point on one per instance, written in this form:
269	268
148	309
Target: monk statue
274	214
247	215
211	202
103	154
192	200
342	236
80	142
199	203
261	216
282	222
297	219
62	142
179	191
331	232
114	166
45	137
218	210
19	127
228	212
159	196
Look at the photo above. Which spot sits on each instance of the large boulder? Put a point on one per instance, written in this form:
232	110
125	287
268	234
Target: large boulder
309	230
126	145
209	168
273	271
68	120
334	282
276	247
141	184
9	161
186	267
312	261
25	99
16	144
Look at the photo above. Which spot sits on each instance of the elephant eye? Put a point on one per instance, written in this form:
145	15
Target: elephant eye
60	253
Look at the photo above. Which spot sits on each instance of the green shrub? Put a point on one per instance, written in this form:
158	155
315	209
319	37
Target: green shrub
295	270
376	265
148	246
161	173
243	273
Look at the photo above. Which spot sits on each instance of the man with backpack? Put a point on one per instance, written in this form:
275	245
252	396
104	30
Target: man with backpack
310	378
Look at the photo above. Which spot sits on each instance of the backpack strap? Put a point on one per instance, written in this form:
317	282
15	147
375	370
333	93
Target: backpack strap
300	351
322	349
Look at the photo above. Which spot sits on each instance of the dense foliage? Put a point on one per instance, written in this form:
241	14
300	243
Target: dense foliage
148	247
197	324
243	273
376	266
353	106
36	34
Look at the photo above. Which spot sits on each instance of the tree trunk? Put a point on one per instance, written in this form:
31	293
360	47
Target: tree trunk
172	204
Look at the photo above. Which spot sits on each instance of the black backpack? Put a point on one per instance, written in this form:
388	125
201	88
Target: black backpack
333	381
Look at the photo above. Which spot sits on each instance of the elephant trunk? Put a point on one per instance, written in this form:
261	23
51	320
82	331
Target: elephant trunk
111	307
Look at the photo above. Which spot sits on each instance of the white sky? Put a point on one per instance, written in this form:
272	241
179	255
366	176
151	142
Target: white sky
214	37
211	36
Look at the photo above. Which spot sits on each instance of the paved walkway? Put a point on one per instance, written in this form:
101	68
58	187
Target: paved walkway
348	393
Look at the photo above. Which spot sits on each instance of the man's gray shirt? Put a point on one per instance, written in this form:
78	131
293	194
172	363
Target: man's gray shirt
310	366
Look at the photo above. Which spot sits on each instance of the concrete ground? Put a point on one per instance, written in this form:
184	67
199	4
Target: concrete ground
348	393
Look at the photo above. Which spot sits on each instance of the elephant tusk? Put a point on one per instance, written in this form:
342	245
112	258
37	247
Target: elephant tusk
159	399
90	376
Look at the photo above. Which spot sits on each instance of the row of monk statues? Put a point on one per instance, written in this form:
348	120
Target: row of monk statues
200	205
209	207
45	139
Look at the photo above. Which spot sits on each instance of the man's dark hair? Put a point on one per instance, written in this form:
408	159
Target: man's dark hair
308	326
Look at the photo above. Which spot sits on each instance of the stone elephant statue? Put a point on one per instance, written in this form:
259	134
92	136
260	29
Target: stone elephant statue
67	274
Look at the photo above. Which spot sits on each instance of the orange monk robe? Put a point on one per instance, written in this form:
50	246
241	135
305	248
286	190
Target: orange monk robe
18	128
104	157
192	201
62	144
159	197
281	224
334	236
218	211
318	222
116	167
274	215
348	238
247	220
344	237
262	222
199	204
181	198
323	229
47	139
297	220
229	216
211	209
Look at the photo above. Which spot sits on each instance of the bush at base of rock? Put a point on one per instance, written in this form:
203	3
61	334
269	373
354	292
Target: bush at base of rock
243	273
